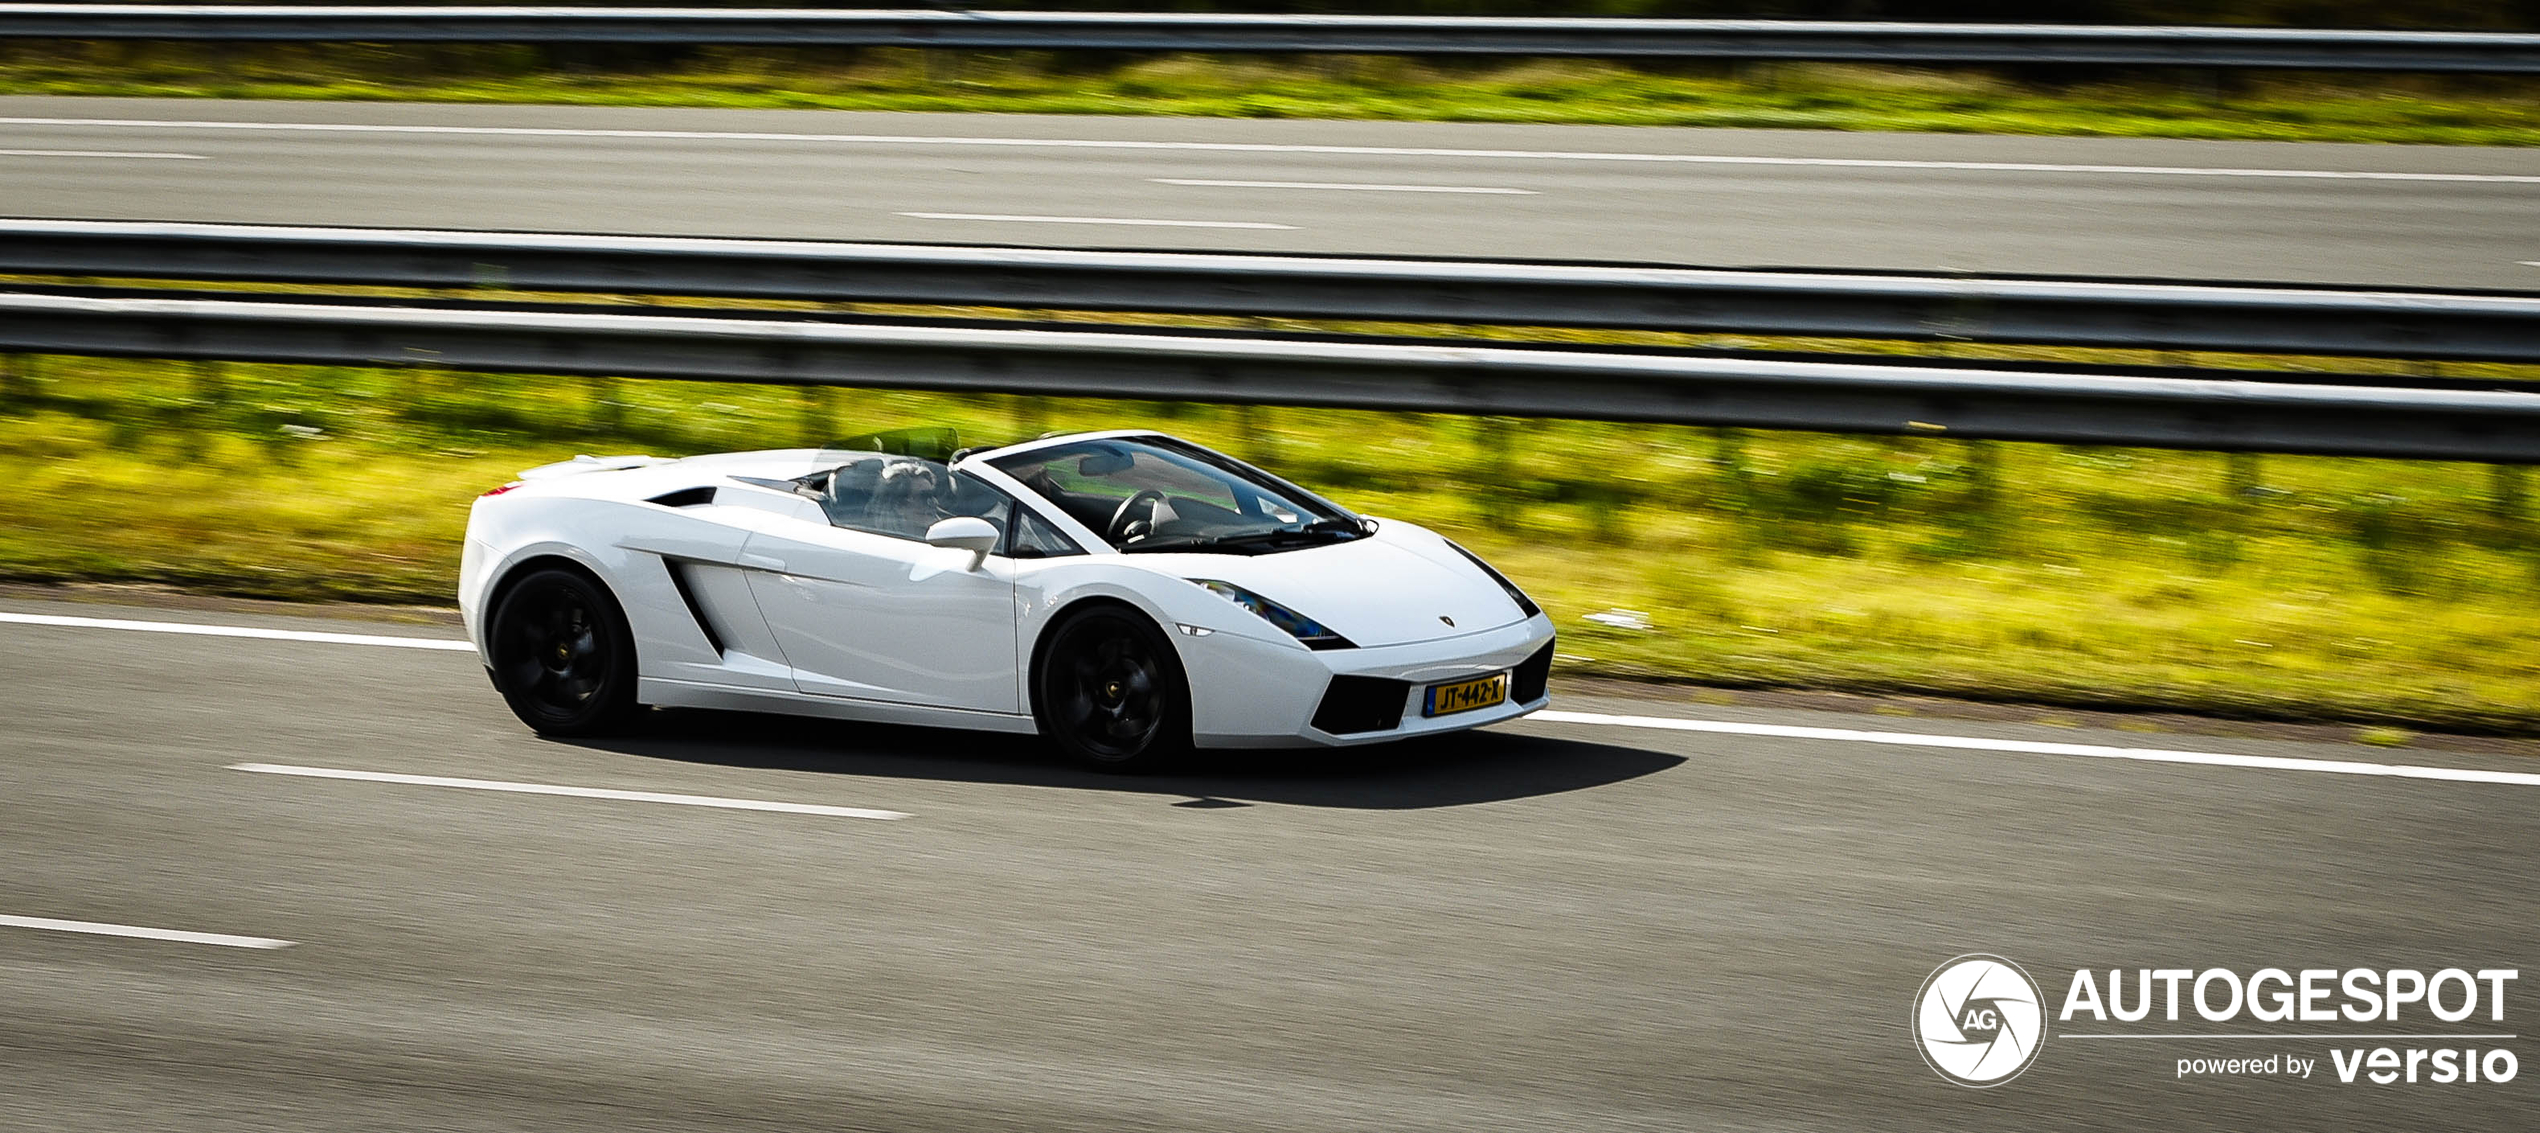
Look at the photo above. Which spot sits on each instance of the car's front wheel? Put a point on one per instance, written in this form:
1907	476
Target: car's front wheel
562	655
1110	692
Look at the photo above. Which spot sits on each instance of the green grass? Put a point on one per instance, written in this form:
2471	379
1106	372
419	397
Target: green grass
1787	95
2384	593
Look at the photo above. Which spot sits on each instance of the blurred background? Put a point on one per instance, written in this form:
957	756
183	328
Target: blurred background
2392	595
1830	707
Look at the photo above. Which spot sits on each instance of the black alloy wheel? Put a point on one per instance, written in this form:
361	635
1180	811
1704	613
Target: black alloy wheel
562	655
1110	692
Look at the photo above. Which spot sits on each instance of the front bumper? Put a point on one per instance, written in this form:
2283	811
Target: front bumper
1252	693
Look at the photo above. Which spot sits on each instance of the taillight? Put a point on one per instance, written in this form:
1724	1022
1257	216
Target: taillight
503	489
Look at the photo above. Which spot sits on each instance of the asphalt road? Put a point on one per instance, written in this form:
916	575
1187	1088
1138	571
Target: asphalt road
1545	926
2352	214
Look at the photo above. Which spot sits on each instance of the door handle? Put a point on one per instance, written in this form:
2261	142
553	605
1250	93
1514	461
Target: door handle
762	562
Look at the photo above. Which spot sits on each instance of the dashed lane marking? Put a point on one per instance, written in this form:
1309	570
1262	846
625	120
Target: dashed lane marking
2033	747
198	629
1022	218
1345	186
572	792
95	928
105	153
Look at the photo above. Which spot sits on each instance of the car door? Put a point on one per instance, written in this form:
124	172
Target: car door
887	617
699	540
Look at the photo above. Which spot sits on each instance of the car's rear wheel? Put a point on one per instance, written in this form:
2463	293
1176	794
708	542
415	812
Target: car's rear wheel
562	655
1109	691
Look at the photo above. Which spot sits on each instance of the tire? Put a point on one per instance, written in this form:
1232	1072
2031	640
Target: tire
1109	691
562	655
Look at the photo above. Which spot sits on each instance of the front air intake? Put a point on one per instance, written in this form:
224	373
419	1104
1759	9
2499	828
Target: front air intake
1533	674
1356	705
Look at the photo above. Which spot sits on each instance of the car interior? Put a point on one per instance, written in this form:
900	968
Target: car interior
1130	494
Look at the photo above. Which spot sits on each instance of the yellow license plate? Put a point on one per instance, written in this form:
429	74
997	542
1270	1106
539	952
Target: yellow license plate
1465	696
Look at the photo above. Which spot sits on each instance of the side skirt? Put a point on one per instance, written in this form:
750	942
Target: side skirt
691	694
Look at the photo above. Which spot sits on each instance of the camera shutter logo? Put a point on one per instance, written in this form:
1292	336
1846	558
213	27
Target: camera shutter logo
1979	1020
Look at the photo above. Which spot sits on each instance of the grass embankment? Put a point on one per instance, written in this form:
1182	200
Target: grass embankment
1779	95
2341	589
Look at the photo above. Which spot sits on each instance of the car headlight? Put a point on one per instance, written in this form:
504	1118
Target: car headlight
1313	633
1525	605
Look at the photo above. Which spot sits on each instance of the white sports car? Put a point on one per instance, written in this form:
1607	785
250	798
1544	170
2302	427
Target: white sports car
1126	594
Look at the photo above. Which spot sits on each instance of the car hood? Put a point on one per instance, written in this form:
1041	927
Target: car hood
1402	584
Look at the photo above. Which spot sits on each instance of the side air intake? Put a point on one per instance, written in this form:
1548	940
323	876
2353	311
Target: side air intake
685	497
688	596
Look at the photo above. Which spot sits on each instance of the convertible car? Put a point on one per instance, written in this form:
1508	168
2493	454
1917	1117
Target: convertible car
1126	594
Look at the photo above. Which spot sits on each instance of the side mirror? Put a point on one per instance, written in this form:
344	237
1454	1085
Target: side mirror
965	532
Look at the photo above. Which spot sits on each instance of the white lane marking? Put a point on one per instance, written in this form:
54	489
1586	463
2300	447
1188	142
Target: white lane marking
201	630
1267	147
1341	185
94	928
1665	723
2029	747
1094	220
575	792
101	153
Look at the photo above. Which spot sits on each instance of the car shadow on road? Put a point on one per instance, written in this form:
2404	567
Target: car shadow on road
1453	770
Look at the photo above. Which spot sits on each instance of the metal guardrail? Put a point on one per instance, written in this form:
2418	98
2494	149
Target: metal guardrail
2502	427
2094	314
1410	35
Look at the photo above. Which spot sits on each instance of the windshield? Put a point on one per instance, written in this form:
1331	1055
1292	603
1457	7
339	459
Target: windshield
1158	494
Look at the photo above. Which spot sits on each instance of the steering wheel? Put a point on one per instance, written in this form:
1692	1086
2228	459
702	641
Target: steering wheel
1118	529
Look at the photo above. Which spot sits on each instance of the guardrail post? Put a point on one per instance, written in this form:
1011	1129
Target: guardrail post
814	405
1728	455
1031	416
211	384
17	379
1610	498
2240	476
2505	497
608	412
1492	437
1984	476
406	388
1260	443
